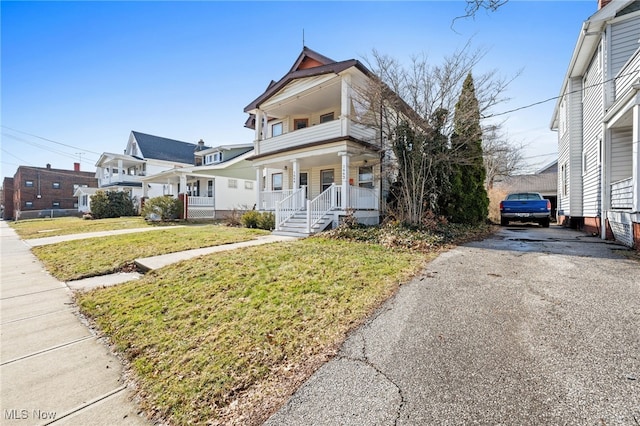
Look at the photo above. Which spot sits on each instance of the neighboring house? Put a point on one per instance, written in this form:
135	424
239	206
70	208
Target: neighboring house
44	192
314	163
143	156
223	181
597	118
544	181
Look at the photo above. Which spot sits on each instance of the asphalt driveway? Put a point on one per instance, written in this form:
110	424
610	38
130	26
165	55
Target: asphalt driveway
532	326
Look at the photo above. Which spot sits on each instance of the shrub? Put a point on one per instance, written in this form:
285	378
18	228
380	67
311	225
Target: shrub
107	204
255	219
162	208
267	221
250	219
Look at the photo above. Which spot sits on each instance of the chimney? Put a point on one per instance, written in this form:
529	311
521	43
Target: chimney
603	3
48	166
76	167
200	146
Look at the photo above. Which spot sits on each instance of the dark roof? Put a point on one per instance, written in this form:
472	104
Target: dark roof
165	149
304	67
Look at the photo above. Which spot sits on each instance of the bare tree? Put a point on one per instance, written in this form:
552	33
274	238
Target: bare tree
501	156
420	99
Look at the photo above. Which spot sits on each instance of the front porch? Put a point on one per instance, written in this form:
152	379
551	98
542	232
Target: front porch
295	213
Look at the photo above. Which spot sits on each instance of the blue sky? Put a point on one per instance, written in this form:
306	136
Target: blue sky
77	77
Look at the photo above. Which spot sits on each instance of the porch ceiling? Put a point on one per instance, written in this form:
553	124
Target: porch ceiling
312	100
318	157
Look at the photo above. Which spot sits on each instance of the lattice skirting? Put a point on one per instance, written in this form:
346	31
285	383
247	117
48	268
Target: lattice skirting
201	213
622	227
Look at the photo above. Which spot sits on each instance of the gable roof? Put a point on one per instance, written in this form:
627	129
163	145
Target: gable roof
165	149
308	64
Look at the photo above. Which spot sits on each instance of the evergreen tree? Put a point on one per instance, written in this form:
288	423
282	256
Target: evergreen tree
467	201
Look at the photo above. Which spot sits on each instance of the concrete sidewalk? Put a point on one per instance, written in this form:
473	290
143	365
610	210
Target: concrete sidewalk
36	242
53	369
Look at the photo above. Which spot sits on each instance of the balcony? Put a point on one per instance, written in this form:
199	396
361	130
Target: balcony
335	129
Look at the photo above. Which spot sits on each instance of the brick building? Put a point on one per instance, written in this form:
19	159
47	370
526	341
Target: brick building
42	191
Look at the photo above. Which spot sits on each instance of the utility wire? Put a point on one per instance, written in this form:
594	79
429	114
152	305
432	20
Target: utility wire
558	97
49	140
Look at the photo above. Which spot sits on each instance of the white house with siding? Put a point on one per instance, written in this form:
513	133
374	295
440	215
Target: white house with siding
223	181
597	117
313	163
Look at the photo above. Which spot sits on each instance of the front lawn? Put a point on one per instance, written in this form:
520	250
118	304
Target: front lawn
39	228
224	338
72	260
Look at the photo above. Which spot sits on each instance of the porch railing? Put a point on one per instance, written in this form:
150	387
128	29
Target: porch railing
622	194
288	206
193	201
322	204
269	199
363	198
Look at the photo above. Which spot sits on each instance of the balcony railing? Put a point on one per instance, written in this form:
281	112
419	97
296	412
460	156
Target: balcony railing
627	76
622	194
319	132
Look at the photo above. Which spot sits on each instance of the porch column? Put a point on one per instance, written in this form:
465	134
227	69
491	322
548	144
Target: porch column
345	179
259	171
183	184
345	105
120	178
296	174
260	131
636	156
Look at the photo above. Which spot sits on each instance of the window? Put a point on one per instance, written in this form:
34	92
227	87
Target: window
248	184
55	185
28	183
209	188
585	162
300	123
75	205
565	180
85	200
365	177
28	204
276	181
55	205
233	183
326	179
276	129
324	118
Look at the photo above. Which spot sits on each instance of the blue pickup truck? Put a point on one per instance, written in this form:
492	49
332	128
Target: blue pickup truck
525	207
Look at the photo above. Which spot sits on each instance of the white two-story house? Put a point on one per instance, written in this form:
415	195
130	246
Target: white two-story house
597	117
144	155
313	162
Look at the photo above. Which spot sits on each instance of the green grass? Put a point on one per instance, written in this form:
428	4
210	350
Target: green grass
39	228
72	260
203	333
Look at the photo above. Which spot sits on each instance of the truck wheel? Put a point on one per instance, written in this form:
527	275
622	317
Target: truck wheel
503	221
545	223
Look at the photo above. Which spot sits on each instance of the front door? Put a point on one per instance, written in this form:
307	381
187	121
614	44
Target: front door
303	180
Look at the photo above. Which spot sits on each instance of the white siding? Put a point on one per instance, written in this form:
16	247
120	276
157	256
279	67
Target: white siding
621	155
574	155
592	134
227	198
624	43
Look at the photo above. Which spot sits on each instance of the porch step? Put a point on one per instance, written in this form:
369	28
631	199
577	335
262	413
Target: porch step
290	234
298	225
